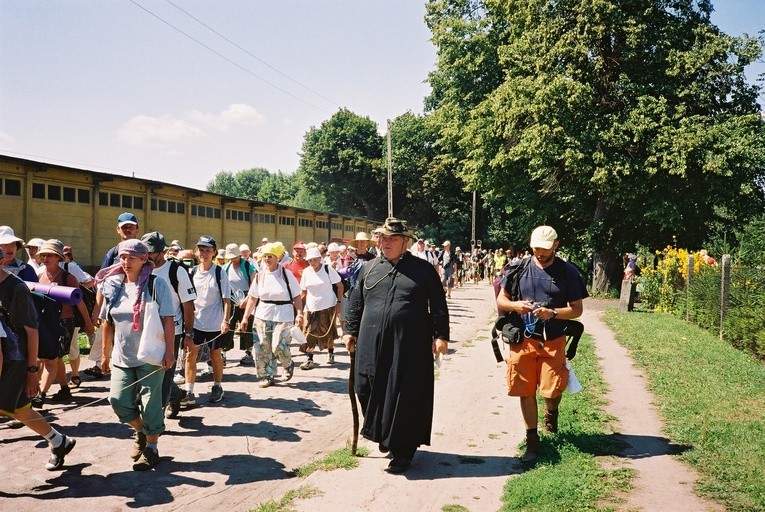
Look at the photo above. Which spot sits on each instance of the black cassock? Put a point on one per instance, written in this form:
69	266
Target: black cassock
396	312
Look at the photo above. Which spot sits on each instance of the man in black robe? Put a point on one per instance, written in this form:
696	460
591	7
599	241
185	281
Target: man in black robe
397	320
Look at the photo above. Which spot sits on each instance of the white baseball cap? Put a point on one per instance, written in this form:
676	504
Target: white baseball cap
543	237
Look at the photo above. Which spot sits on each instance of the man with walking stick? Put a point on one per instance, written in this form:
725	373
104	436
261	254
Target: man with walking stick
397	320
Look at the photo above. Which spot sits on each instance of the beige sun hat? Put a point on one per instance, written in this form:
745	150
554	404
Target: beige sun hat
361	236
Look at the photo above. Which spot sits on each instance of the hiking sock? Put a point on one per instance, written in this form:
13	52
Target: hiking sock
531	432
54	438
218	383
190	388
310	357
330	350
153	447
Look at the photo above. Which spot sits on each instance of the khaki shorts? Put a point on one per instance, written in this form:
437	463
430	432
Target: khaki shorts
530	367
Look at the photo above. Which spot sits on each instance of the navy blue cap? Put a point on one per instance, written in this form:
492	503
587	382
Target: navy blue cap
206	241
126	218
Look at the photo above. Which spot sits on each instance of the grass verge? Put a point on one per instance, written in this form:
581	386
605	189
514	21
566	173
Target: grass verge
712	398
286	504
339	459
567	475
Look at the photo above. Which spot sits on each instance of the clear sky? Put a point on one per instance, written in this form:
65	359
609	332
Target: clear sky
111	87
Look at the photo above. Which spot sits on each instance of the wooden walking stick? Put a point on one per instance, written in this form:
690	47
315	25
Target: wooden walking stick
354	405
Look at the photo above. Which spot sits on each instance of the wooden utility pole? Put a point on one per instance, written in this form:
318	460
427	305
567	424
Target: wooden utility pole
390	175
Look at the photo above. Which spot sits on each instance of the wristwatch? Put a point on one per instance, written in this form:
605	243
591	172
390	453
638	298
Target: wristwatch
189	335
33	369
554	312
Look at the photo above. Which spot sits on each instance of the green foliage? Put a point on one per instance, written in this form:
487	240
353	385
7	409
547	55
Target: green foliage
598	117
751	249
245	184
286	503
342	161
744	326
712	398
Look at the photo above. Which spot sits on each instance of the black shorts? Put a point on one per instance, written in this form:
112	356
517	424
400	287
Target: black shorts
12	384
205	336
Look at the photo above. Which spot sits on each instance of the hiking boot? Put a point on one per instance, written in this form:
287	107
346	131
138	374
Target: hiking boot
289	371
331	359
179	379
308	365
268	381
532	448
139	444
189	400
217	393
62	395
247	360
174	405
39	400
551	421
146	460
57	455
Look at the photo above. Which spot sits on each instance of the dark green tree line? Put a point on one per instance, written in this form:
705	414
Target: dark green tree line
619	122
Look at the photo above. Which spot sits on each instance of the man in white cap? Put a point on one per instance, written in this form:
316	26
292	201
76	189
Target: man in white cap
544	292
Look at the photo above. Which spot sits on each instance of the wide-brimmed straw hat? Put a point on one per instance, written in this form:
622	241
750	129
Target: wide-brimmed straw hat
361	236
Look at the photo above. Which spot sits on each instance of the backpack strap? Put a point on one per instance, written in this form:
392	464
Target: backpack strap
218	272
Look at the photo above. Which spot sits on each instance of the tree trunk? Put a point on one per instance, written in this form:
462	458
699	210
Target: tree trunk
608	272
607	265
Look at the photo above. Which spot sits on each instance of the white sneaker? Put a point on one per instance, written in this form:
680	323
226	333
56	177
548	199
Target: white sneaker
179	379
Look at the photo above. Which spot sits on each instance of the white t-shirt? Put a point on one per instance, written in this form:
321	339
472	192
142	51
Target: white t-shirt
238	281
318	286
270	286
208	306
185	290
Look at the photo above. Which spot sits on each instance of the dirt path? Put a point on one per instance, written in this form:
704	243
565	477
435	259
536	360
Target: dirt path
236	454
663	482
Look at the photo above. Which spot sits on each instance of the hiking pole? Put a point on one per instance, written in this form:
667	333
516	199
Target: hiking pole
354	405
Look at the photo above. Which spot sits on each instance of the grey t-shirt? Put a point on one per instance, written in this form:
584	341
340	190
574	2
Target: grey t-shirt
120	312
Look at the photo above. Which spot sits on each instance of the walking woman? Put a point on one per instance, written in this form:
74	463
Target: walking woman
136	386
212	309
322	290
51	253
275	297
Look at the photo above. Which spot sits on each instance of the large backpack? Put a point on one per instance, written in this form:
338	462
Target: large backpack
49	326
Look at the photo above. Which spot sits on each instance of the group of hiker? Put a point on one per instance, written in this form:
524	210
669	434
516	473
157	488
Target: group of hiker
159	305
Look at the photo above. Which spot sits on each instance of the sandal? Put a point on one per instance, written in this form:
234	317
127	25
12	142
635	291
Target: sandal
75	381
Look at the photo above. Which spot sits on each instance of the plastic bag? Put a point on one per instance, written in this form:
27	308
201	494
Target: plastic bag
573	386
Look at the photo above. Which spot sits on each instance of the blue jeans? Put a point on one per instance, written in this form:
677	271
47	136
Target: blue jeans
131	399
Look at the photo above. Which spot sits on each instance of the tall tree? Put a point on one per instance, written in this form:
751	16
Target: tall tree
342	161
245	183
621	122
